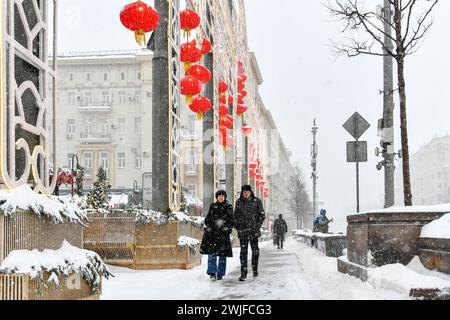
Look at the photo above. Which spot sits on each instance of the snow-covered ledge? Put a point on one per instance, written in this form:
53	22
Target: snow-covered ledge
65	261
413	209
56	208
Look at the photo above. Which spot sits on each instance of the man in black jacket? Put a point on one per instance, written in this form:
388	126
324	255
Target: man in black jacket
279	230
248	218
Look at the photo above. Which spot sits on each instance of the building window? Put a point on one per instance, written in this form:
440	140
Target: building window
70	129
70	160
106	97
71	77
139	76
71	98
105	76
88	76
121	125
138	162
121	160
106	127
89	128
138	97
122	97
104	160
87	162
122	76
137	125
88	98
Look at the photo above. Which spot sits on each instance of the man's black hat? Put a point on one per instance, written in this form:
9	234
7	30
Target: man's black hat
246	187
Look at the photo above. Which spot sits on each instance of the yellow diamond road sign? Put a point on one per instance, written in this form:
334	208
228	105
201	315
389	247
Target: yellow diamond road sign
356	125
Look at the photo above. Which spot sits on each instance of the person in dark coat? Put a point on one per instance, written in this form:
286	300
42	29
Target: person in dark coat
279	230
216	237
249	216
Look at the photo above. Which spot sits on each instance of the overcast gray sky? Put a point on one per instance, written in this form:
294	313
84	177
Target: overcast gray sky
304	80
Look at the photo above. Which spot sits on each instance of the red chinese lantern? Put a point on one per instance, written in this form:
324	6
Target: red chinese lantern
139	18
189	20
190	87
240	110
266	193
243	93
240	99
223	110
241	67
200	73
246	130
252	174
252	166
230	100
226	121
223	87
241	86
223	99
189	54
206	46
200	105
242	78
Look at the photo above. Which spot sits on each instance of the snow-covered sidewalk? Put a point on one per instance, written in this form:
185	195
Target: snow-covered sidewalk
297	272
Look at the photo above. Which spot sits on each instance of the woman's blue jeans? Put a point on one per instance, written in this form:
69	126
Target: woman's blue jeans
217	265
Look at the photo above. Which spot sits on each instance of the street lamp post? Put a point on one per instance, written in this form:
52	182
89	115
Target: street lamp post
314	153
74	172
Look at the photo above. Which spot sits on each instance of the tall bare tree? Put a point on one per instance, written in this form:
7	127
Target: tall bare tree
299	201
411	22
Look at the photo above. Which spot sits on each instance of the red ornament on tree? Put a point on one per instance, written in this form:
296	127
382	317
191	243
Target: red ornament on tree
200	105
200	73
189	54
206	46
189	20
139	18
190	87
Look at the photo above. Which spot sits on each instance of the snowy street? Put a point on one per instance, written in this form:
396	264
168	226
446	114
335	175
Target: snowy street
295	273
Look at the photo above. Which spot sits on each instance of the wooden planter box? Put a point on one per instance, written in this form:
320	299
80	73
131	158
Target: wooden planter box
27	231
120	241
22	287
435	254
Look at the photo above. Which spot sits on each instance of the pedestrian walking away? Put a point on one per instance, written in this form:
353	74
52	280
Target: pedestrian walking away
249	216
216	237
279	231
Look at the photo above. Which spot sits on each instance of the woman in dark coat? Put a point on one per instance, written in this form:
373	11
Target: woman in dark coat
216	237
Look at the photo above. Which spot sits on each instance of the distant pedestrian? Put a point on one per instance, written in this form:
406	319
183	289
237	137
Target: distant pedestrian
249	216
280	229
321	221
216	237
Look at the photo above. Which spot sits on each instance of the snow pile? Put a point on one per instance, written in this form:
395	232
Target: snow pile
192	201
192	243
439	228
25	198
158	218
117	200
402	278
66	260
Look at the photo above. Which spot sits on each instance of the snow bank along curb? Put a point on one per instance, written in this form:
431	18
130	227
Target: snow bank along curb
66	260
55	208
439	228
158	218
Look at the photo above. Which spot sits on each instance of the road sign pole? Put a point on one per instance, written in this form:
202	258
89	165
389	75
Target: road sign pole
357	186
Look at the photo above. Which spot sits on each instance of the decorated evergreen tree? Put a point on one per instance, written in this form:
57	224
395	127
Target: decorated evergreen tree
99	197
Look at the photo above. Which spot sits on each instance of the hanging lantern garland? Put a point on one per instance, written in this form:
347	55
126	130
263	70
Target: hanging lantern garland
139	18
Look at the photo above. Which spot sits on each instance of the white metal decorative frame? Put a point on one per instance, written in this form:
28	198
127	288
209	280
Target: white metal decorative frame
27	44
175	105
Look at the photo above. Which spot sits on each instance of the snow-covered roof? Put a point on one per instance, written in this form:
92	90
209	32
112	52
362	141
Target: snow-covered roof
439	228
66	260
24	198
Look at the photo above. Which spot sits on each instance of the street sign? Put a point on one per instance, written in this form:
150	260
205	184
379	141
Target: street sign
357	151
356	125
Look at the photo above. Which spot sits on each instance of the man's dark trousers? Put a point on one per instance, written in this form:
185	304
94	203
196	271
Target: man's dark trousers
244	255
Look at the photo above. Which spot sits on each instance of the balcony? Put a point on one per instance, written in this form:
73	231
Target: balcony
95	138
191	170
96	107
